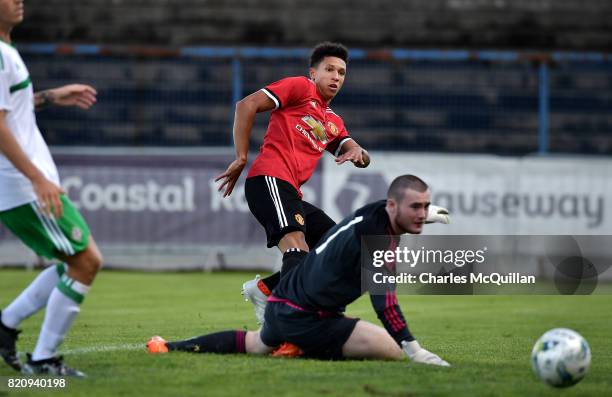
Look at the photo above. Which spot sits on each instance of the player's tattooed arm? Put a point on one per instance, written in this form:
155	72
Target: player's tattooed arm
43	99
79	95
351	151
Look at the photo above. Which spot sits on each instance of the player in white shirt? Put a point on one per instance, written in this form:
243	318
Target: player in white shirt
34	207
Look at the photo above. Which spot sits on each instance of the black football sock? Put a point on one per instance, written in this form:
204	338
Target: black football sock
271	281
219	342
292	258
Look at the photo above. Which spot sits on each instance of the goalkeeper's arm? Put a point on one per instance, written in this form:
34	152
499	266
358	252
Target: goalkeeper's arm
391	316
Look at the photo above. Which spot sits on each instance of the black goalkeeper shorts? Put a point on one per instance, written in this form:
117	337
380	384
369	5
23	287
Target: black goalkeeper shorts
279	209
319	335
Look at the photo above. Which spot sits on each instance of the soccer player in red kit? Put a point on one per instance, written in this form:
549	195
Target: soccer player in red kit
302	126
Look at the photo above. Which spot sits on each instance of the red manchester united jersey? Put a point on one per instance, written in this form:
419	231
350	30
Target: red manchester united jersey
301	127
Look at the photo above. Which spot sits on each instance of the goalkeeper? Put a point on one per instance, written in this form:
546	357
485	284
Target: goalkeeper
306	308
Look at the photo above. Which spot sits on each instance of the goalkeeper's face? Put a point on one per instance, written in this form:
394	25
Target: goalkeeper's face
329	75
408	214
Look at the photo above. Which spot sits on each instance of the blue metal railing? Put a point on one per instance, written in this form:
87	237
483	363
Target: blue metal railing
543	137
238	55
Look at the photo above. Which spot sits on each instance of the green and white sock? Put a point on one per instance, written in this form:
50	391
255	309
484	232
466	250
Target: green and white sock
62	309
34	297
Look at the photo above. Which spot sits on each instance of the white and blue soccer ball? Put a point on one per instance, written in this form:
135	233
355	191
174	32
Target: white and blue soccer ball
561	357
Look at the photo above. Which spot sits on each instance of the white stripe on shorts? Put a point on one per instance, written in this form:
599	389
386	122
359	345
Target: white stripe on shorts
53	230
278	205
50	233
63	238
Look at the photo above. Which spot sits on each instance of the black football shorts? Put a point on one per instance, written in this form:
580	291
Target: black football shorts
319	336
278	208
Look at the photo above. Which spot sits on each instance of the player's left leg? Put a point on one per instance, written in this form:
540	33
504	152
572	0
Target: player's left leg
224	342
254	342
66	238
29	302
277	206
62	308
48	237
33	298
316	223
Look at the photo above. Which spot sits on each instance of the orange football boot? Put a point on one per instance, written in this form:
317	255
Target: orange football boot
157	345
288	350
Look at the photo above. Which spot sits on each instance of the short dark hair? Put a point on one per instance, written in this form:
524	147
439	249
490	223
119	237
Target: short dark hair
403	182
327	49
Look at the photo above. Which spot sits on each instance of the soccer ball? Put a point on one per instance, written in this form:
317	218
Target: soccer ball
561	357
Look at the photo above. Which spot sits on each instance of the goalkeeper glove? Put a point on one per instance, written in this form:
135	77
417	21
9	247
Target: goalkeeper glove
417	354
437	214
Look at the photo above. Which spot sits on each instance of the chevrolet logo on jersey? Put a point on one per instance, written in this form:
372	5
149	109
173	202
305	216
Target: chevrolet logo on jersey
317	128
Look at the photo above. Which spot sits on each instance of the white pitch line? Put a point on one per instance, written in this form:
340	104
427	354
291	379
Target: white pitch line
101	349
108	348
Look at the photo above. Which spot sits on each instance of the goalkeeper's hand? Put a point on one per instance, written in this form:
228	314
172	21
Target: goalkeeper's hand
417	354
437	214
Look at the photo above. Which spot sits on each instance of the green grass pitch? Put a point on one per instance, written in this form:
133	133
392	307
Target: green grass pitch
487	339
